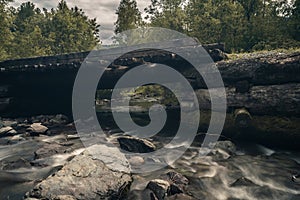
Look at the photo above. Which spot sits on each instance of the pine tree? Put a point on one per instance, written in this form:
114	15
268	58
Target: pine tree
167	14
71	30
129	16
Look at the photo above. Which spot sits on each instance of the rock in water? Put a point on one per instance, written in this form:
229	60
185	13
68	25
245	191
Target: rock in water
136	145
100	172
243	182
180	197
38	128
159	187
7	131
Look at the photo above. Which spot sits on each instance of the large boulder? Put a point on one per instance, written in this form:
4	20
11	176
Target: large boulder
100	172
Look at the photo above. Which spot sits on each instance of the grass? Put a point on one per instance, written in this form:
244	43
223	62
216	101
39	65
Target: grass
236	56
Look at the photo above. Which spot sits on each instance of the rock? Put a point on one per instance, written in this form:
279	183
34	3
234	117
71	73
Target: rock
175	189
100	172
159	187
72	137
59	119
295	178
16	164
38	128
226	146
15	139
22	128
180	197
64	197
10	123
243	182
136	160
177	178
7	131
177	181
217	55
50	149
136	145
218	154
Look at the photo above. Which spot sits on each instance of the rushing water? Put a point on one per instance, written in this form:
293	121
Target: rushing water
251	171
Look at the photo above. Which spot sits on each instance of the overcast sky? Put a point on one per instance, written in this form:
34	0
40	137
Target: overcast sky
103	10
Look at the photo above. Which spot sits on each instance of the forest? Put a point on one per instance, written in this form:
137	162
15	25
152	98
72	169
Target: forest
243	25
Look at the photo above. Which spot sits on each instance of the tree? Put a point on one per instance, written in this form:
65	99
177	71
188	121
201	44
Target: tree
71	30
25	11
6	36
129	16
167	14
295	21
203	23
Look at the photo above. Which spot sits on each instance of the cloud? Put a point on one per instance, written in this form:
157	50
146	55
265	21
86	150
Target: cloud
103	10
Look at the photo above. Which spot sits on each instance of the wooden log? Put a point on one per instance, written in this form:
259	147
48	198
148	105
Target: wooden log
271	131
276	100
242	118
242	73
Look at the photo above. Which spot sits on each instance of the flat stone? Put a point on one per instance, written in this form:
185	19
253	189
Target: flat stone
159	187
50	149
38	128
59	119
136	145
15	139
136	160
7	131
97	173
10	123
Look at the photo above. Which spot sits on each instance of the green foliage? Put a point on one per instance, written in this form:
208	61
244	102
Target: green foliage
167	14
6	36
129	16
28	31
244	25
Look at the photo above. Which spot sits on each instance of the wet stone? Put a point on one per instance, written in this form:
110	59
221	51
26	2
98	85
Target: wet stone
243	182
50	149
136	160
160	188
100	172
10	123
226	146
136	145
7	131
37	128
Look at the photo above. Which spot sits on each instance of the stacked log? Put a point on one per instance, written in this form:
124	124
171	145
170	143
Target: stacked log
263	90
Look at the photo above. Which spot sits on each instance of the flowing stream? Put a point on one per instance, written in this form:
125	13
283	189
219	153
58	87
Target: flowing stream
249	171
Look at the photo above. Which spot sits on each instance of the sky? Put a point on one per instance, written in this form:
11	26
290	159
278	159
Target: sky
103	10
